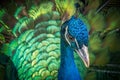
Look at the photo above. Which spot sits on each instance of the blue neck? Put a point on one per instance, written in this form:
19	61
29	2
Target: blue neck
68	70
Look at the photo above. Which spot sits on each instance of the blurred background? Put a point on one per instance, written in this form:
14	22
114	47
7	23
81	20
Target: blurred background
30	38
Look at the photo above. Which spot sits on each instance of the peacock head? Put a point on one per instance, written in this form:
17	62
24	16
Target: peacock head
75	34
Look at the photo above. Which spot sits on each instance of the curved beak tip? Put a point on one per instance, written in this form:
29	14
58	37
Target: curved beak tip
87	63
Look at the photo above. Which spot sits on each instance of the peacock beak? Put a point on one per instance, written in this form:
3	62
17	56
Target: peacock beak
84	55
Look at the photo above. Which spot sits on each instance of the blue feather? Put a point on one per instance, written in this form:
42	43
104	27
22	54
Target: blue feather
78	29
68	69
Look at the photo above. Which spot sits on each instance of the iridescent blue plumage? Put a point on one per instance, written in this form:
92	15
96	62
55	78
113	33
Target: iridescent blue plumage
78	30
74	36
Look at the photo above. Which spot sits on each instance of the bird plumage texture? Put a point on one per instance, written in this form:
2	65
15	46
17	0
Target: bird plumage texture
78	29
30	35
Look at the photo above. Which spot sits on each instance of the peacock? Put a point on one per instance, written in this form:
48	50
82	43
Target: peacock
36	34
74	36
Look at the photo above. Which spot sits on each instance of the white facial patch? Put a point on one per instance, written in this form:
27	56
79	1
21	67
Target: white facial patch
66	32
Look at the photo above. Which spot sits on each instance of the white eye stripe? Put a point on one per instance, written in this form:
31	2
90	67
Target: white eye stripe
77	44
66	32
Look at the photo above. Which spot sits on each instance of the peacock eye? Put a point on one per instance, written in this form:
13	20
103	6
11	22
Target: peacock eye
70	38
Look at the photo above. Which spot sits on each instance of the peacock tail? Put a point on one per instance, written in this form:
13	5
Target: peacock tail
30	36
